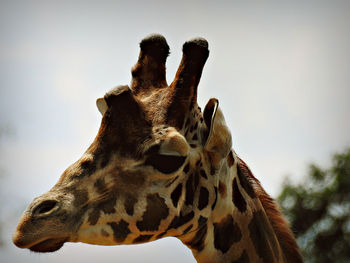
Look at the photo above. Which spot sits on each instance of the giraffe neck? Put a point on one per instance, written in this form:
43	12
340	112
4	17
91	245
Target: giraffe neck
238	229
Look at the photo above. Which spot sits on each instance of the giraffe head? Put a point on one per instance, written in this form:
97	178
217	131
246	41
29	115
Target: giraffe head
151	170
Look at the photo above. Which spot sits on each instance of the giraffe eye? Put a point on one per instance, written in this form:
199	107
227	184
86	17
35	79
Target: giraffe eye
165	163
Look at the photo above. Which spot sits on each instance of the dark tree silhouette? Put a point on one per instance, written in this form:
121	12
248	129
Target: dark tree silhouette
319	211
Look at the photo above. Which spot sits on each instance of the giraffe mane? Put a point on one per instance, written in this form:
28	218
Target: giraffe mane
279	224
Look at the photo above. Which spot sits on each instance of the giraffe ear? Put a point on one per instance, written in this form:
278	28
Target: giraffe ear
101	105
217	137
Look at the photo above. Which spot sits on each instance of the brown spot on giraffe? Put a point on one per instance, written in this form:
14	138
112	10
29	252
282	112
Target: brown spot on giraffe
175	195
222	189
94	216
215	199
129	204
226	233
120	230
230	159
203	199
156	210
180	220
156	169
237	197
186	168
242	175
261	233
190	190
203	174
81	197
187	229
197	243
142	239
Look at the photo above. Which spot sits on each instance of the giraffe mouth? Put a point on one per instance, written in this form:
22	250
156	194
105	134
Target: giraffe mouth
49	245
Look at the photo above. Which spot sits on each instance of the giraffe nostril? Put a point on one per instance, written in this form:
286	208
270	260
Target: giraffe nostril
45	207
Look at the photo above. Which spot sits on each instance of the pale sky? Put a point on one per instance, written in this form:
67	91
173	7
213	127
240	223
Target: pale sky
281	72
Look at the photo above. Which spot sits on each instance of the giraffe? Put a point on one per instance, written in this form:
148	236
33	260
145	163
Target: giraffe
159	167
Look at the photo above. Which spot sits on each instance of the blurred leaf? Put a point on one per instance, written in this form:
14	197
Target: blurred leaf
319	211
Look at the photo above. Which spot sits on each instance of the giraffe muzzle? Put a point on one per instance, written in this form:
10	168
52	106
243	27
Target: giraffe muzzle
49	245
43	226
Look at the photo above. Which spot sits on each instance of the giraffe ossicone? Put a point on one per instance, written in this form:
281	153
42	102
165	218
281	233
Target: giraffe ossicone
160	167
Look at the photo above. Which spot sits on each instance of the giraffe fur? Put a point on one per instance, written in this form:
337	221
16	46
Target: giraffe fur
161	167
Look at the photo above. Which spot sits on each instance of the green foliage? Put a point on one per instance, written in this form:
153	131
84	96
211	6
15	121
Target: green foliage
319	211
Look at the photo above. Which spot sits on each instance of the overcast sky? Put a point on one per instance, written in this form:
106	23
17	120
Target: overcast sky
281	72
